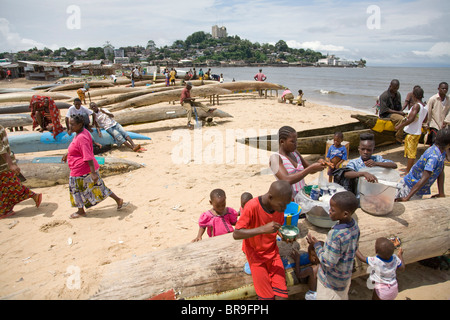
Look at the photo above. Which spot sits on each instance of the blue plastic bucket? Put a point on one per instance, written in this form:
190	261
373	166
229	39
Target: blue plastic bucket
291	214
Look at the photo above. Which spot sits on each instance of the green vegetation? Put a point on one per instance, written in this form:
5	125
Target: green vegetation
198	47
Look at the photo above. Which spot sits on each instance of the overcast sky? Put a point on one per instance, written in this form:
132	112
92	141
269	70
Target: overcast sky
385	33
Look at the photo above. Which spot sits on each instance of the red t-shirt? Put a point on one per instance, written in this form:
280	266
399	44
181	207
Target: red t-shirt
262	247
184	94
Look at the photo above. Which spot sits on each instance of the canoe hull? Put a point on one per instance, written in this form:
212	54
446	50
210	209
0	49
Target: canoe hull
36	142
50	171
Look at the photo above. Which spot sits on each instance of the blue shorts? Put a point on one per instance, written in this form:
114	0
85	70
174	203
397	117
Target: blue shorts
118	133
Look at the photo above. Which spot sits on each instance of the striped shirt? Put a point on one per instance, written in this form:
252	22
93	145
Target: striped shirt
296	187
337	255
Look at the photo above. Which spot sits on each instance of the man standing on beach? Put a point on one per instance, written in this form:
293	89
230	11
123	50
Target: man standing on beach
188	103
260	76
438	109
391	107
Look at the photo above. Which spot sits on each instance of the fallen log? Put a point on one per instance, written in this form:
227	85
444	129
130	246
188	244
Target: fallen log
166	96
214	266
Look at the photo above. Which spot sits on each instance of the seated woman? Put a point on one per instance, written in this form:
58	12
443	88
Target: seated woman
287	164
45	113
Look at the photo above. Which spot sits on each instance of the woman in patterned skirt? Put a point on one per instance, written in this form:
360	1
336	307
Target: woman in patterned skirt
85	185
12	191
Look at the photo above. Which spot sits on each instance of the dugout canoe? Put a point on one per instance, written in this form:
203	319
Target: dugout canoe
166	96
50	171
313	141
132	94
177	83
78	85
35	142
26	96
107	92
15	120
46	86
240	86
214	267
13	90
21	108
153	114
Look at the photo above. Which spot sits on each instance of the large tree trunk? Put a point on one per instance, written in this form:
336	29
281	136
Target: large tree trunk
213	266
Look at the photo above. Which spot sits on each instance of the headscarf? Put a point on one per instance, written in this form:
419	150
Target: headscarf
54	113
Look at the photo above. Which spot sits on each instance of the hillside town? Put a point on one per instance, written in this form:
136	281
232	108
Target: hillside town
215	49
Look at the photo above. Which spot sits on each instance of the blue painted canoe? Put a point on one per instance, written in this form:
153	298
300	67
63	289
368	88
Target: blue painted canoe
35	142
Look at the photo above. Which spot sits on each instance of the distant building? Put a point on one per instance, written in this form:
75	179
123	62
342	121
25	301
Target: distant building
119	53
218	33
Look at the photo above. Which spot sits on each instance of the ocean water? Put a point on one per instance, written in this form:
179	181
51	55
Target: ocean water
349	88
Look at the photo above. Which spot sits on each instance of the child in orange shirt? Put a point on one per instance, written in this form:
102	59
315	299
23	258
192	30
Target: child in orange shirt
258	226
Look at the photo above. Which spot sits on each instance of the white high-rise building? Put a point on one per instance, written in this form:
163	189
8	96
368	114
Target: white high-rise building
218	33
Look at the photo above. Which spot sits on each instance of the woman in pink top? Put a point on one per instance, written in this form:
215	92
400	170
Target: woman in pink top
288	164
85	185
219	220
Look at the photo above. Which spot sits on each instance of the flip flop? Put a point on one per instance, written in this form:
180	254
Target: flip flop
38	202
76	215
123	205
142	149
9	214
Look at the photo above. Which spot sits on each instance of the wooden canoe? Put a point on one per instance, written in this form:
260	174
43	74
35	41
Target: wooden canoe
131	94
314	141
153	114
45	86
213	266
35	142
50	171
26	96
21	108
15	120
177	83
78	85
13	90
166	96
239	86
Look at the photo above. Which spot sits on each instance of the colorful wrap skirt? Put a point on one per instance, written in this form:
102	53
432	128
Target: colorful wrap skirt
12	191
85	193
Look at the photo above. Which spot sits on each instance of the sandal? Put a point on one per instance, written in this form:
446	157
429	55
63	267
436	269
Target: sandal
76	215
123	205
137	148
9	214
190	126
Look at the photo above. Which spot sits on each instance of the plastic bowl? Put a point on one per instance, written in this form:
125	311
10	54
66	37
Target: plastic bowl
289	232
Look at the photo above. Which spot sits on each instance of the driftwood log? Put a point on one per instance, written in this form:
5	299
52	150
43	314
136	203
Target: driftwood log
213	266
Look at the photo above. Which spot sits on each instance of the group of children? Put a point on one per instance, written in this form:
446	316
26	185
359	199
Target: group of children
329	276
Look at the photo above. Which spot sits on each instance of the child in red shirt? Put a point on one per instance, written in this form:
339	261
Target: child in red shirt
258	225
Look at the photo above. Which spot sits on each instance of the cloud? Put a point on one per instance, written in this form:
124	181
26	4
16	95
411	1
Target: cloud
316	46
12	41
440	49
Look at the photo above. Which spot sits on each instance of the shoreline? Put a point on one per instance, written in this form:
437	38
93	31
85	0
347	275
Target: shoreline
166	201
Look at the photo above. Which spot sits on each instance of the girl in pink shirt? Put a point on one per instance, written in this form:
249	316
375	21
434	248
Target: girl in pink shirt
85	185
219	220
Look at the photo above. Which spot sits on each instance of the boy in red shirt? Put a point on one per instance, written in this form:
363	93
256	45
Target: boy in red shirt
258	226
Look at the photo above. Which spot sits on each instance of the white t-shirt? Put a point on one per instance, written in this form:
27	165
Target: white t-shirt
415	128
384	271
73	111
103	120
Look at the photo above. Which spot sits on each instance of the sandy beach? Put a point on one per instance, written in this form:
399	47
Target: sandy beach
40	247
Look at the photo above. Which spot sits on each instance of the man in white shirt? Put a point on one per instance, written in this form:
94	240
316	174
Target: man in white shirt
438	109
104	119
77	108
